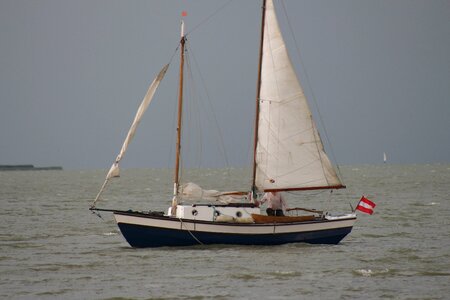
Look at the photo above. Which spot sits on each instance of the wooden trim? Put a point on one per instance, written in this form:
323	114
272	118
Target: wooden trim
263	219
305	209
234	193
331	187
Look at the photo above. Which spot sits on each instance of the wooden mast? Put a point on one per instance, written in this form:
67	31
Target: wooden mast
258	91
180	114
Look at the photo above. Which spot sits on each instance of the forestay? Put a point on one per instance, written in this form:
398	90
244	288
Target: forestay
289	153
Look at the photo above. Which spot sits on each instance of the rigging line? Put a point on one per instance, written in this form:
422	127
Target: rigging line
175	52
187	229
307	81
208	18
222	144
209	102
174	113
196	122
189	120
174	110
249	143
328	203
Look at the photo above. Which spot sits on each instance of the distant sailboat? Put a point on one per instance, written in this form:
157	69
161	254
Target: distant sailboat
288	156
384	157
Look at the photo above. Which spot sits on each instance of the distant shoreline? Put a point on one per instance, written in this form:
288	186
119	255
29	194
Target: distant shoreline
28	168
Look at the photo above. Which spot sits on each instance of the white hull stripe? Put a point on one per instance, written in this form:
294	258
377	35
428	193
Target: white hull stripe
234	228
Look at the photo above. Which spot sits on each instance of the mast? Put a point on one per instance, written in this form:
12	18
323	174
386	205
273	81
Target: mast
180	114
258	91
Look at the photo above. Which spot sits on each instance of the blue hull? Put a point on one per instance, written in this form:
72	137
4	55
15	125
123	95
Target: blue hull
139	236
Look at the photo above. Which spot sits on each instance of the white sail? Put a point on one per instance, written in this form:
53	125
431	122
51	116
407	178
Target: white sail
114	171
289	153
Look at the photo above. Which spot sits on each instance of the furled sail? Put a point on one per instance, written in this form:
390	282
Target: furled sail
193	192
289	152
114	171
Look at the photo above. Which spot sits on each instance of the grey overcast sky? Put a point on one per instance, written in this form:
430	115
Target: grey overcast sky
72	74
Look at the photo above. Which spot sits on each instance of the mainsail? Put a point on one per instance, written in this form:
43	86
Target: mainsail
114	171
289	152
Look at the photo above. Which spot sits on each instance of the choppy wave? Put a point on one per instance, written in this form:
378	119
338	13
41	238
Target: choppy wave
52	247
372	272
110	233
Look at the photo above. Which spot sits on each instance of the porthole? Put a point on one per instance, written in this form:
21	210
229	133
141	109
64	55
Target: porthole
238	214
194	212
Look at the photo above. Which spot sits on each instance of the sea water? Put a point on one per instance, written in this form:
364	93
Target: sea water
53	247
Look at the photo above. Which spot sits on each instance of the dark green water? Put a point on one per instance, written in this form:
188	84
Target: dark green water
52	247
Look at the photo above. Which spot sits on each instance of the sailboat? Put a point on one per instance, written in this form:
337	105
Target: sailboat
288	155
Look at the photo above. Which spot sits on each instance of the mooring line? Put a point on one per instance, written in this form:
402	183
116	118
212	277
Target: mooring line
181	221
